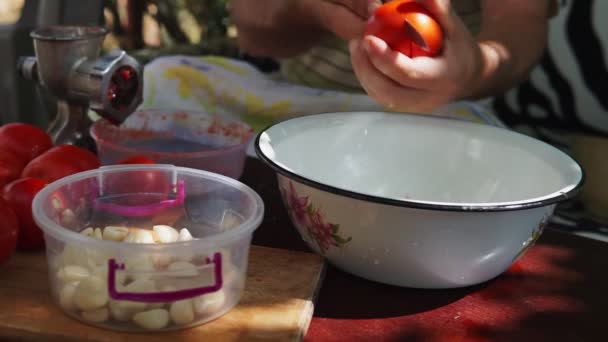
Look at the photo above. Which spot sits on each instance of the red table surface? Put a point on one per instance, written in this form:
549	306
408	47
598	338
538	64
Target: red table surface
555	292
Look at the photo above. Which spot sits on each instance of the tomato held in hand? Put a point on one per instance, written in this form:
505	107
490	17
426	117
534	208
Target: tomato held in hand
19	195
61	161
9	230
27	141
11	166
407	27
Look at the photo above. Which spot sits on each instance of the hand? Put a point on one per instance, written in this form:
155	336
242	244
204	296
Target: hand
283	28
270	30
423	83
344	18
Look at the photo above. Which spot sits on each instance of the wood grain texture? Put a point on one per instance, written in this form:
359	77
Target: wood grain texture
277	304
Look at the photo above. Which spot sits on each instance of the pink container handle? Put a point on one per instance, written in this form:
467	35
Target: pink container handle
144	210
163	297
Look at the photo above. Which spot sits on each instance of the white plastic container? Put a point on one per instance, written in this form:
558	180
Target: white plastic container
123	277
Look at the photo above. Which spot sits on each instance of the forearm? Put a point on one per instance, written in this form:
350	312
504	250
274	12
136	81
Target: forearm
272	44
511	42
274	28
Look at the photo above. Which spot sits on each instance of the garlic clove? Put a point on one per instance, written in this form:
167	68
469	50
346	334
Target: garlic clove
139	236
119	313
114	233
138	286
73	255
91	293
68	217
98	234
230	220
102	272
161	261
185	269
152	319
71	273
140	268
209	304
184	235
66	296
89	231
165	234
182	312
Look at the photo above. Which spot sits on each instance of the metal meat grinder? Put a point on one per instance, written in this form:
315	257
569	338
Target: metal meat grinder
68	65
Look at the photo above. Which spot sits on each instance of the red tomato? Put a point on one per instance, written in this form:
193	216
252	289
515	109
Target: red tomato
9	231
61	161
150	186
19	195
137	160
142	187
407	27
153	182
27	141
11	166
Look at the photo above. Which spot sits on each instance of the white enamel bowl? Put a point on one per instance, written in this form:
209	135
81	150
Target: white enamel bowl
414	200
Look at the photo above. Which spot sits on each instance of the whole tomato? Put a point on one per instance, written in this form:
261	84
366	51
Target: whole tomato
60	161
9	231
19	195
407	27
142	187
11	166
27	141
137	160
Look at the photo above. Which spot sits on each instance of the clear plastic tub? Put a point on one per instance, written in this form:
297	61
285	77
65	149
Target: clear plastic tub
106	266
199	140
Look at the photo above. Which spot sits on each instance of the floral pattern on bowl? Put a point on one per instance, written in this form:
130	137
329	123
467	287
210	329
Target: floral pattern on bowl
311	222
536	233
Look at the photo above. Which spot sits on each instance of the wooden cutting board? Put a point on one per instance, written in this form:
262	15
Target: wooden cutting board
277	304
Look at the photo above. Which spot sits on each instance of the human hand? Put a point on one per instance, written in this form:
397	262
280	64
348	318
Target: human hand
344	18
423	83
282	28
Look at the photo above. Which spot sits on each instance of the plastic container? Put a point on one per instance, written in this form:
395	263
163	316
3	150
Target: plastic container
141	285
211	142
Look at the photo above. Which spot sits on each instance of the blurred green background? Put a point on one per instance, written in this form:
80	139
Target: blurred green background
149	28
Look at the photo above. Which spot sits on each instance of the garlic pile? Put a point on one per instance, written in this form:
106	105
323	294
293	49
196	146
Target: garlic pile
82	276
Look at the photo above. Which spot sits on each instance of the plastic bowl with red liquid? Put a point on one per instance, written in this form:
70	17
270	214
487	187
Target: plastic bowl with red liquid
194	139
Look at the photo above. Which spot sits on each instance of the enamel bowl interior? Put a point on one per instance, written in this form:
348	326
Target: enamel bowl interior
420	161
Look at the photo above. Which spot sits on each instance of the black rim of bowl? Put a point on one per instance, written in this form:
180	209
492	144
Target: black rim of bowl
560	197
